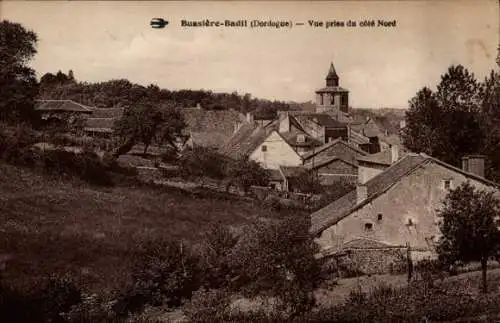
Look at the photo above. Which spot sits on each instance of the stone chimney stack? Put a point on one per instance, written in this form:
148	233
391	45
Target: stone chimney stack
361	192
474	164
394	153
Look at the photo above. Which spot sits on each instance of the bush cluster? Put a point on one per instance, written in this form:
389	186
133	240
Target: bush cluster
16	147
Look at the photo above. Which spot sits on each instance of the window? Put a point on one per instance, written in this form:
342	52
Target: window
379	217
368	227
301	138
264	148
447	184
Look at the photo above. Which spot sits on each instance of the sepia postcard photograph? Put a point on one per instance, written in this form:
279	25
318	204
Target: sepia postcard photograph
249	161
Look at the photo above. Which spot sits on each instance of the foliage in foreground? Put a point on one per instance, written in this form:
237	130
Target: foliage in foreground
470	226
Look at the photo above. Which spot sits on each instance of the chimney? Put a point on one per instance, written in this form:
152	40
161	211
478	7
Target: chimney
394	154
465	163
474	164
361	192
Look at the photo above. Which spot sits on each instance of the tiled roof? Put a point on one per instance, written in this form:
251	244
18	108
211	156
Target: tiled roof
338	141
323	160
358	138
246	139
331	89
291	138
322	119
62	105
221	121
344	206
208	139
367	128
382	158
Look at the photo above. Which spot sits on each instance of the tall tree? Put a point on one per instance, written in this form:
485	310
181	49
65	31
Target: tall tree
18	85
469	227
446	124
423	132
146	122
490	117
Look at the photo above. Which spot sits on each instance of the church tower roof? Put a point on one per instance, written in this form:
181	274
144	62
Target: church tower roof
332	79
332	72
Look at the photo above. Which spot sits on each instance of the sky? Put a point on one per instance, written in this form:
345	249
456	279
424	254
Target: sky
380	66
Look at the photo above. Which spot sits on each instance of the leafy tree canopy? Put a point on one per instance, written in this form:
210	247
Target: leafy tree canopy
469	226
459	118
18	85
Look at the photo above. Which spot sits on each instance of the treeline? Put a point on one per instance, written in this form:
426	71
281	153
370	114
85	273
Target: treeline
461	117
123	93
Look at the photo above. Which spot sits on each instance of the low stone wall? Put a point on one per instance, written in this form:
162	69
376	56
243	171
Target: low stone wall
372	261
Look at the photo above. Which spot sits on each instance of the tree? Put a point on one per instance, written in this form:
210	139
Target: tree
246	173
147	122
18	85
469	227
200	163
277	259
490	104
446	124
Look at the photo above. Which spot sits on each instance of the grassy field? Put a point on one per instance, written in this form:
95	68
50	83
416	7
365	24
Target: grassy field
53	226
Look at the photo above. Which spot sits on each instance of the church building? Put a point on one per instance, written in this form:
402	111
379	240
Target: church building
332	98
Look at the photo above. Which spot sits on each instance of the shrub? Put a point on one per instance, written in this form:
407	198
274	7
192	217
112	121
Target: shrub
85	165
15	144
215	259
163	272
208	306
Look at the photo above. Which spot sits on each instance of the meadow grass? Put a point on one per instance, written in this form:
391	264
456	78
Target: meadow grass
50	225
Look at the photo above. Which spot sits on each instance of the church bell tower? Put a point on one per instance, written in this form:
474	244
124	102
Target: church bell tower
332	99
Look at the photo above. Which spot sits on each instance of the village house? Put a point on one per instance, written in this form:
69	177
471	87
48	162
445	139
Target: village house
335	161
62	112
394	206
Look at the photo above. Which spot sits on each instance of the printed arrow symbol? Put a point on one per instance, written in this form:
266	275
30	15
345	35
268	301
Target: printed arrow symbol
158	23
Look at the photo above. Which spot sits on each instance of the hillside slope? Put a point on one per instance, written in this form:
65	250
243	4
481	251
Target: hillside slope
52	226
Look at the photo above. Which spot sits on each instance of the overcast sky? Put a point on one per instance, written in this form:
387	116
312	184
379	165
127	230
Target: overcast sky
379	66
